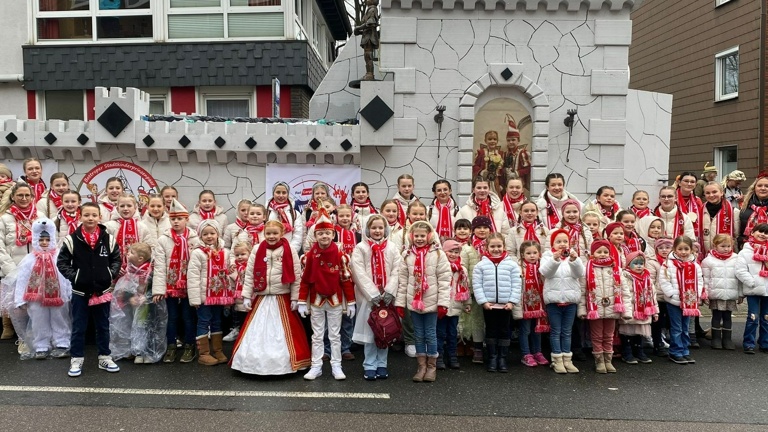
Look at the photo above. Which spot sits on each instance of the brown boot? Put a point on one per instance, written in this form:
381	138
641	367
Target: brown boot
607	358
568	363
7	329
599	363
217	348
422	370
557	364
204	350
431	369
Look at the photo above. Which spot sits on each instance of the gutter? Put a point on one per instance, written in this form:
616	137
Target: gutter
7	78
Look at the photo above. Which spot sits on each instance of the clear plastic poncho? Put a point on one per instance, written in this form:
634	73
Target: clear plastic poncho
136	325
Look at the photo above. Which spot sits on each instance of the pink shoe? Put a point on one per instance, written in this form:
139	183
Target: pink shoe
540	359
529	361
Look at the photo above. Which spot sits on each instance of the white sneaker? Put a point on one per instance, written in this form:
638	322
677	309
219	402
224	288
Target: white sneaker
313	373
138	360
23	348
338	374
75	366
232	335
410	351
106	363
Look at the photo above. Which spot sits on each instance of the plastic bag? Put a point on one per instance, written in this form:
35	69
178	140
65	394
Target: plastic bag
18	315
136	325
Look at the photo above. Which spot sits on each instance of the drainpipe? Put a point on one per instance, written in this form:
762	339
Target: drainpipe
6	78
763	83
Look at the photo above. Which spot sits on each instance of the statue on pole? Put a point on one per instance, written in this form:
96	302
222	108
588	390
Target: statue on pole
369	29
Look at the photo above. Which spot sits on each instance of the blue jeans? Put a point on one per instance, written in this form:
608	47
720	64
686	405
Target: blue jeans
375	357
447	335
527	328
757	312
561	326
347	329
80	313
176	306
679	339
425	333
209	319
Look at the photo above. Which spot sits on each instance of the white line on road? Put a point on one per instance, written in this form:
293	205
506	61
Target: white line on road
161	392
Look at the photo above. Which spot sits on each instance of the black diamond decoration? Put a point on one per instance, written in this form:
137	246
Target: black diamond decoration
377	112
11	138
148	141
251	143
82	139
346	145
281	143
114	119
506	74
50	138
219	142
184	141
314	143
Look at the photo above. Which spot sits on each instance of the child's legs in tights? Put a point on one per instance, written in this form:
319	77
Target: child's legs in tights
717	318
523	333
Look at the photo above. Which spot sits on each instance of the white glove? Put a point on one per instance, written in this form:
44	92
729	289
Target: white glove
294	305
303	310
351	311
247	304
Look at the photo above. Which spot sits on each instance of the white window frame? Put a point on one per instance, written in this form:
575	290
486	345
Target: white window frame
719	75
717	157
225	10
42	112
94	13
227	93
719	3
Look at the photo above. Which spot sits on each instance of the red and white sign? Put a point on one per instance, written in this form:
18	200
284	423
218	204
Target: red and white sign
136	181
301	178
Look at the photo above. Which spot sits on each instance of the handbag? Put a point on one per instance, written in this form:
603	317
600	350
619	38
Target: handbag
385	324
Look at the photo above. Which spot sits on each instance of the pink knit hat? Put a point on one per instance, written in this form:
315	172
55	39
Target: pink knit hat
633	255
451	244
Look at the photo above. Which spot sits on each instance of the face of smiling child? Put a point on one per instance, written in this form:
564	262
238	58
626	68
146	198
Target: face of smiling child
255	215
210	236
344	218
376	230
207	202
602	253
420	237
126	208
272	235
390	213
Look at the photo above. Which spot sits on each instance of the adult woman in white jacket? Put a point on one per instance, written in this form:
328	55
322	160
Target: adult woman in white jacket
676	223
751	270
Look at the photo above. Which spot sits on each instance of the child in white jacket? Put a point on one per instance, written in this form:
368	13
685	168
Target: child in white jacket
722	286
752	271
497	286
561	268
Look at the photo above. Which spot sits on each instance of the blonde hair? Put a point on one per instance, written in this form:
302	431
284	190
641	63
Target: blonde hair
344	207
125	196
405	177
143	250
496	236
243	202
721	239
275	224
325	199
258	206
242	244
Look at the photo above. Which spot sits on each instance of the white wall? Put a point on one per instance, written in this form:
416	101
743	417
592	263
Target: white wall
15	28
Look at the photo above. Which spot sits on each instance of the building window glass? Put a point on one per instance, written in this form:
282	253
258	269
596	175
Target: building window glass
727	74
64	105
93	19
219	19
726	159
228	108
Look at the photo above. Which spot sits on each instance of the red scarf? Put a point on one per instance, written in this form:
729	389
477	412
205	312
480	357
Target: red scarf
444	226
24	220
400	212
280	209
91	238
207	214
218	292
640	213
725	218
346	239
679	224
533	297
552	217
509	207
618	305
260	270
108	205
127	234
609	213
325	269
484	209
688	285
357	207
530	231
378	264
54	198
43	285
760	254
141	273
721	257
240	269
254	231
460	283
72	220
176	278
420	276
38	188
692	204
759	215
574	232
643	293
241	224
631	242
498	259
479	245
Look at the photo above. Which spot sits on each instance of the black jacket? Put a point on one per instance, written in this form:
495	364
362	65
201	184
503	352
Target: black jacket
91	271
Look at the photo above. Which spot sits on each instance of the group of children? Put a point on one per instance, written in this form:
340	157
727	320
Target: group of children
295	282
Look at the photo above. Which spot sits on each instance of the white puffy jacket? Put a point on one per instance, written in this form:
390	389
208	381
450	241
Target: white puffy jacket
500	283
46	207
365	289
709	225
10	254
516	236
720	278
604	295
541	202
469	211
161	255
220	217
295	237
154	228
197	275
561	279
669	284
669	223
275	286
748	272
438	274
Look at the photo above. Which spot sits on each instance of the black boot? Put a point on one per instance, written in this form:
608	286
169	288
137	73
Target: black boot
478	353
694	342
503	353
440	363
637	350
727	342
717	338
626	351
493	356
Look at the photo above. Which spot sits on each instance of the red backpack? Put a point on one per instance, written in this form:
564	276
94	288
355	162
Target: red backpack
385	324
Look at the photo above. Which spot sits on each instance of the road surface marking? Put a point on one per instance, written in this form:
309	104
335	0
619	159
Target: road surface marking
162	392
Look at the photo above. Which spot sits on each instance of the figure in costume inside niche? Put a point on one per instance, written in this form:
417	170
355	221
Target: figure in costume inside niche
516	158
489	162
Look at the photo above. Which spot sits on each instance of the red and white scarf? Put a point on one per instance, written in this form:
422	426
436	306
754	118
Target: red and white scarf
721	257
688	285
640	213
484	209
609	213
207	214
108	205
553	218
218	292
759	215
591	297
444	226
378	264
92	238
760	254
72	220
55	199
724	219
631	243
678	225
509	207
346	239
479	245
176	279
38	188
280	209
643	295
420	276
261	270
358	207
459	281
530	231
24	220
533	297
127	234
254	231
43	284
401	217
691	204
240	267
575	231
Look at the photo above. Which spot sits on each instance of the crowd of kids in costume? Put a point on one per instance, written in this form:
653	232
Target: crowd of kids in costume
439	279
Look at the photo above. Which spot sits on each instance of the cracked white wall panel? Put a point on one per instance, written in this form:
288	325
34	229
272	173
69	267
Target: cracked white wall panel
398	30
333	95
610	82
647	150
607	132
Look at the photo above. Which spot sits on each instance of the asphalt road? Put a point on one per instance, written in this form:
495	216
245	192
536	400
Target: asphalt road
724	390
